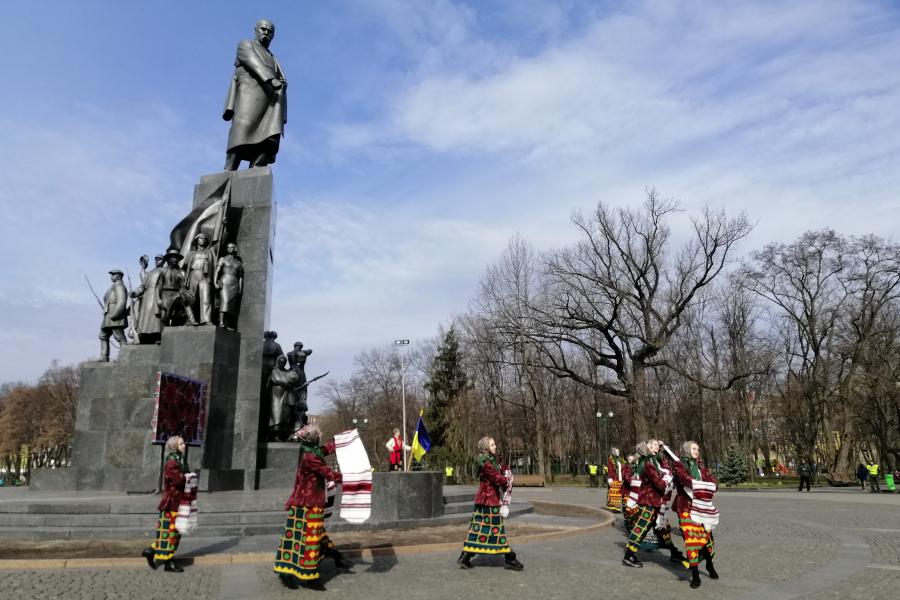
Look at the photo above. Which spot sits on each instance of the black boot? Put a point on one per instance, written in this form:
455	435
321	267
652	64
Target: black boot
339	561
172	566
675	554
288	581
513	563
631	560
709	564
313	584
148	554
465	560
695	577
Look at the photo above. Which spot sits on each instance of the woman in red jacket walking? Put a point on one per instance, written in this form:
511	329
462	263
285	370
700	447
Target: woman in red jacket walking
487	533
167	536
696	514
303	538
650	499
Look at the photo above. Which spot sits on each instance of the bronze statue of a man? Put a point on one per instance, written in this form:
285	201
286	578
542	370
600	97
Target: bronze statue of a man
256	103
170	289
115	314
149	325
297	359
230	283
198	281
283	403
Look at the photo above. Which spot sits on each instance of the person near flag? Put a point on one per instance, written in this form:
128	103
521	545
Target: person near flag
487	532
696	514
396	447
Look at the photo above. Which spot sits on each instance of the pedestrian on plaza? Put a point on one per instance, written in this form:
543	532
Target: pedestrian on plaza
592	474
696	514
655	488
862	474
805	473
167	535
874	488
487	532
614	466
629	499
304	541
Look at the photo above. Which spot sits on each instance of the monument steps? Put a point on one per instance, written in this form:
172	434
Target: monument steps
221	515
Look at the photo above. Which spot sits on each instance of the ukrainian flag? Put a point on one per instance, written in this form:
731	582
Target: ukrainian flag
421	442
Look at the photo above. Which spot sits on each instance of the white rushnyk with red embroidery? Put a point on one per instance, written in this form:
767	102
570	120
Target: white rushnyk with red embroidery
356	472
702	509
186	519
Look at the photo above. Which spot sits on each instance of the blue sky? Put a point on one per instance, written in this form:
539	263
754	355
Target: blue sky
422	135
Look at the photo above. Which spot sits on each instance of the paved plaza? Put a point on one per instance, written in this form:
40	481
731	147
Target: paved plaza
772	545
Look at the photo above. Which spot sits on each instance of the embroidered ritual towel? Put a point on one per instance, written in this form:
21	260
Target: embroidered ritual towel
507	494
186	520
634	492
356	472
330	489
702	509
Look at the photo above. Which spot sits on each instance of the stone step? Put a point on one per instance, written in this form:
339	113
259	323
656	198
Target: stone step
453	508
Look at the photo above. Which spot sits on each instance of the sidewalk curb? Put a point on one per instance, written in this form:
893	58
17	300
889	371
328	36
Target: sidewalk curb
605	520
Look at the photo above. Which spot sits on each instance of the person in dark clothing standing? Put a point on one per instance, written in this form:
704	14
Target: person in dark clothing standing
805	473
862	473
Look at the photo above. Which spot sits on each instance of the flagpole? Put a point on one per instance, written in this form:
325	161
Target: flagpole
403	403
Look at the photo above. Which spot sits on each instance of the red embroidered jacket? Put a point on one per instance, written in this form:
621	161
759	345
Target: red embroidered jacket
683	479
309	483
490	481
652	486
612	472
626	479
173	485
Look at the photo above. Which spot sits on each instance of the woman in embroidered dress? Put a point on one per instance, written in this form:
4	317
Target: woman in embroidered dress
614	478
303	540
655	481
487	533
698	540
167	536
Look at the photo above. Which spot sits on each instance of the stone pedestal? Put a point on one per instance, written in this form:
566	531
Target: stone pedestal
111	449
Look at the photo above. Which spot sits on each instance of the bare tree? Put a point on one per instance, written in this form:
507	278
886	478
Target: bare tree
619	295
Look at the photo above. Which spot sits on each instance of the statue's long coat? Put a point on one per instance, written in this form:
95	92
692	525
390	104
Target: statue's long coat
115	306
259	112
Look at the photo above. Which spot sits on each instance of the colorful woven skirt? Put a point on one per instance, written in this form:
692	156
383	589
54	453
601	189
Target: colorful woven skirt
641	525
167	536
696	538
614	496
298	550
487	534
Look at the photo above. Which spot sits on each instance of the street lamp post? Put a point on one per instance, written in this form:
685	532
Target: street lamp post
605	418
402	344
359	424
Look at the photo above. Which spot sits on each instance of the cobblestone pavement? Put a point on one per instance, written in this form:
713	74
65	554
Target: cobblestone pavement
771	545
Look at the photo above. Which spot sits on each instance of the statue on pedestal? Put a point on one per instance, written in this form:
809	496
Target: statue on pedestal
283	404
148	324
170	290
256	103
198	282
297	359
115	314
230	283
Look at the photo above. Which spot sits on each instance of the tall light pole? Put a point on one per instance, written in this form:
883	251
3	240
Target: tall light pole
402	344
605	418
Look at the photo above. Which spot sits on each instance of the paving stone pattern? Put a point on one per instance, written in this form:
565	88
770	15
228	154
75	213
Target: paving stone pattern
771	545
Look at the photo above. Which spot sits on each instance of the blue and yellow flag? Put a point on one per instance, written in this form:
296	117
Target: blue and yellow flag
421	442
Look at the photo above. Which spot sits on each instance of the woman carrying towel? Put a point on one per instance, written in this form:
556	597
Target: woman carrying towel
167	536
487	533
696	486
301	545
614	480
